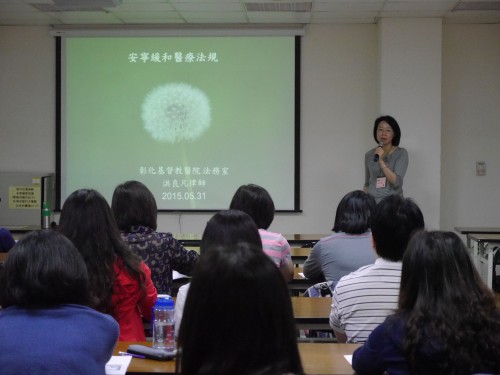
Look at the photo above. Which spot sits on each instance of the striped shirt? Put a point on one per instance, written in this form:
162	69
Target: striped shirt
364	298
275	246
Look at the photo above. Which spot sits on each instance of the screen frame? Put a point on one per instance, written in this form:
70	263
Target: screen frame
60	116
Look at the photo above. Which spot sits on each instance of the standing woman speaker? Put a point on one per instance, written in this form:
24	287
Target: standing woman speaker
386	164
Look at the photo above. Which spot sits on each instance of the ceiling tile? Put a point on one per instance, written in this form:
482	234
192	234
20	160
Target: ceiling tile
26	19
419	5
355	6
78	17
144	16
207	6
302	17
411	14
342	20
20	12
343	14
142	7
215	17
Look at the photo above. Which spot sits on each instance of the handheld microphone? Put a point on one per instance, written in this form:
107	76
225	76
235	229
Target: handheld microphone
376	156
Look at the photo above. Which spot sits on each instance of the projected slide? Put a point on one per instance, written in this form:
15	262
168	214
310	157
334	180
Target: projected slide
193	118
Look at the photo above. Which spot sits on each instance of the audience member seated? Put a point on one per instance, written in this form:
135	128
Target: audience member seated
363	298
238	317
120	282
46	326
6	240
350	247
256	201
225	228
446	321
135	211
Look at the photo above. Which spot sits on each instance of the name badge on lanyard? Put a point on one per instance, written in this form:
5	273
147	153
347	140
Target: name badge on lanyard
381	182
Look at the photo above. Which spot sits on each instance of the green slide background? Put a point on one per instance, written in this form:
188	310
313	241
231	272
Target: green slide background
251	90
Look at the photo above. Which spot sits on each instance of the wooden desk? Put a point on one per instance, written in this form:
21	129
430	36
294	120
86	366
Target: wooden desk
326	358
297	273
482	254
187	239
312	313
195	248
304	239
194	239
300	254
299	283
467	231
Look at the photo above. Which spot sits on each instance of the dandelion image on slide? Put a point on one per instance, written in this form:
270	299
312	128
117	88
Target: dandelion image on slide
176	112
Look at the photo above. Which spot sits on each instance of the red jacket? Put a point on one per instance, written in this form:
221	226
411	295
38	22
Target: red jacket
131	303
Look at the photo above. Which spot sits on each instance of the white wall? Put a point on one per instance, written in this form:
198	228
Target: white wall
340	100
339	103
410	90
27	100
471	126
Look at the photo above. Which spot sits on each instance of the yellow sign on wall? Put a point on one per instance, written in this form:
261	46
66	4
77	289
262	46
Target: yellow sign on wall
24	197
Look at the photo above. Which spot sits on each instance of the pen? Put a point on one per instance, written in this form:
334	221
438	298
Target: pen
132	355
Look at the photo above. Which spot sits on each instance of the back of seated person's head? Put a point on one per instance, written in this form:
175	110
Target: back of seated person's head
444	300
133	204
86	219
393	222
44	269
354	212
229	227
238	317
6	240
255	201
438	267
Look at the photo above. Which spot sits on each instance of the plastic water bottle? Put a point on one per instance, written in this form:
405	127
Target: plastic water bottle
163	323
45	216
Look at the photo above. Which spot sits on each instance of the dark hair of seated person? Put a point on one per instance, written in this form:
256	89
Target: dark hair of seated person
44	269
255	201
393	222
238	316
133	204
353	212
86	219
7	241
447	307
228	227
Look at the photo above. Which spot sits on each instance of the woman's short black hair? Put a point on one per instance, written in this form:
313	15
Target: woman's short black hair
133	204
393	124
44	269
354	212
255	201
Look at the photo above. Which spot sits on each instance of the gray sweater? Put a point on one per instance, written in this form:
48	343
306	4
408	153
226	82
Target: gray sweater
397	161
339	254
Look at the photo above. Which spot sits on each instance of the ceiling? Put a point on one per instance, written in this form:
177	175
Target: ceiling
161	12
